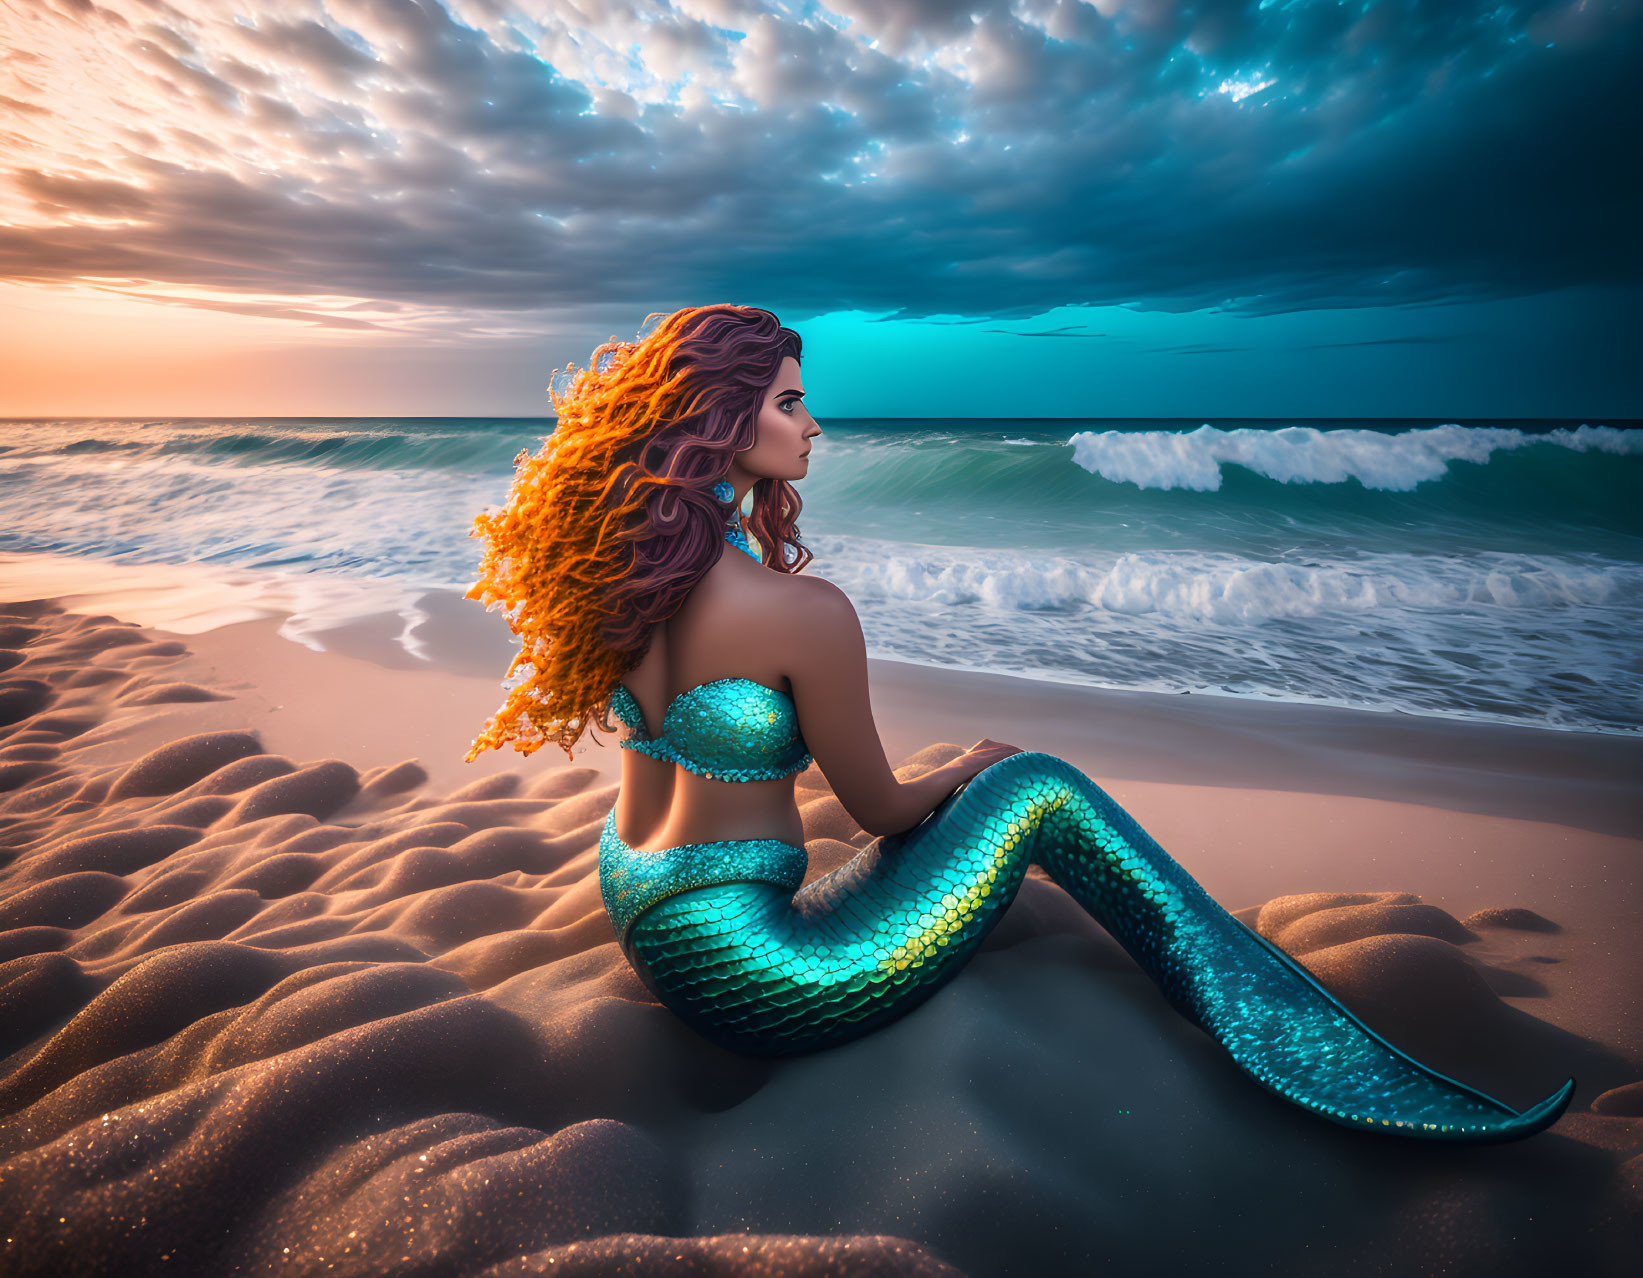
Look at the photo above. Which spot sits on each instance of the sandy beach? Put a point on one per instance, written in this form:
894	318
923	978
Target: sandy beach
285	986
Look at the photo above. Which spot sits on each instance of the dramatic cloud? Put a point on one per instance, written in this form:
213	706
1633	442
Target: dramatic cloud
917	156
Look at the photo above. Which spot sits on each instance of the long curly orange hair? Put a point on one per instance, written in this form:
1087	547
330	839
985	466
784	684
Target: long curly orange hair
611	524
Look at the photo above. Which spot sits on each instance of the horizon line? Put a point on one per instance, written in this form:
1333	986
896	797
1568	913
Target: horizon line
527	417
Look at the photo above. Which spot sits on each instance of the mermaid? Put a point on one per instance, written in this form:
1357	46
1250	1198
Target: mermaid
622	560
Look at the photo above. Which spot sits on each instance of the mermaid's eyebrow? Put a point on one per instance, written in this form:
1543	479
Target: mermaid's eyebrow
790	391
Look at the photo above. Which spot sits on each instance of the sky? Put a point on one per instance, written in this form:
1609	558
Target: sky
999	208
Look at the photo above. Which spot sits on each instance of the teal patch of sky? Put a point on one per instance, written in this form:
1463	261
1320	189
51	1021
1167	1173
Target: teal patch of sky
1554	355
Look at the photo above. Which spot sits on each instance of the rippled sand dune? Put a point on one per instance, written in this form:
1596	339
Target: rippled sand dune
272	1014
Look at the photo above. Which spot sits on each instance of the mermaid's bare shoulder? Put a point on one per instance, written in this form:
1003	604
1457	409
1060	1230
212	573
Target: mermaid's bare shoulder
801	618
735	623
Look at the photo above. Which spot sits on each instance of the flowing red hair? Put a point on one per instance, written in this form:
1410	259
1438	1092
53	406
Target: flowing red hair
611	524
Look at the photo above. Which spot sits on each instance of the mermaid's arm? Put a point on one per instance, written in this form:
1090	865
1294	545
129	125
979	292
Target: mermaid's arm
828	674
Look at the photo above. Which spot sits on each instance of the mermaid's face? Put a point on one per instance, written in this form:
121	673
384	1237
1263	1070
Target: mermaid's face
781	448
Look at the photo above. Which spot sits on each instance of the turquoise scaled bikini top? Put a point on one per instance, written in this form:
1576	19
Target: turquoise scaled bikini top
726	730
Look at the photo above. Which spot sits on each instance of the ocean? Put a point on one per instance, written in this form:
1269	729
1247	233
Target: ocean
1489	571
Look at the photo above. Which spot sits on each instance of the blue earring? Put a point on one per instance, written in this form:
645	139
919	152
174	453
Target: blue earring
734	533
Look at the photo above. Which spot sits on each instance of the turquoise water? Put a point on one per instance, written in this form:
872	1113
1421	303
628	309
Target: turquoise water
1484	570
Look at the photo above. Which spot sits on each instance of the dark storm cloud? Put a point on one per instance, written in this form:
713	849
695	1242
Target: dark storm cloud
910	156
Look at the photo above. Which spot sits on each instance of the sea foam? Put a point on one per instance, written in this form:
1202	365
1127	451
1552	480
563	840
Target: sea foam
1222	587
1307	455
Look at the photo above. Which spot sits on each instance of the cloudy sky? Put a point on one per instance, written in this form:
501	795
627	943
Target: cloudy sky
985	208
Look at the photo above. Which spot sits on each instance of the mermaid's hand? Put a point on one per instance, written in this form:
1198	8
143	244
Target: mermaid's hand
982	755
